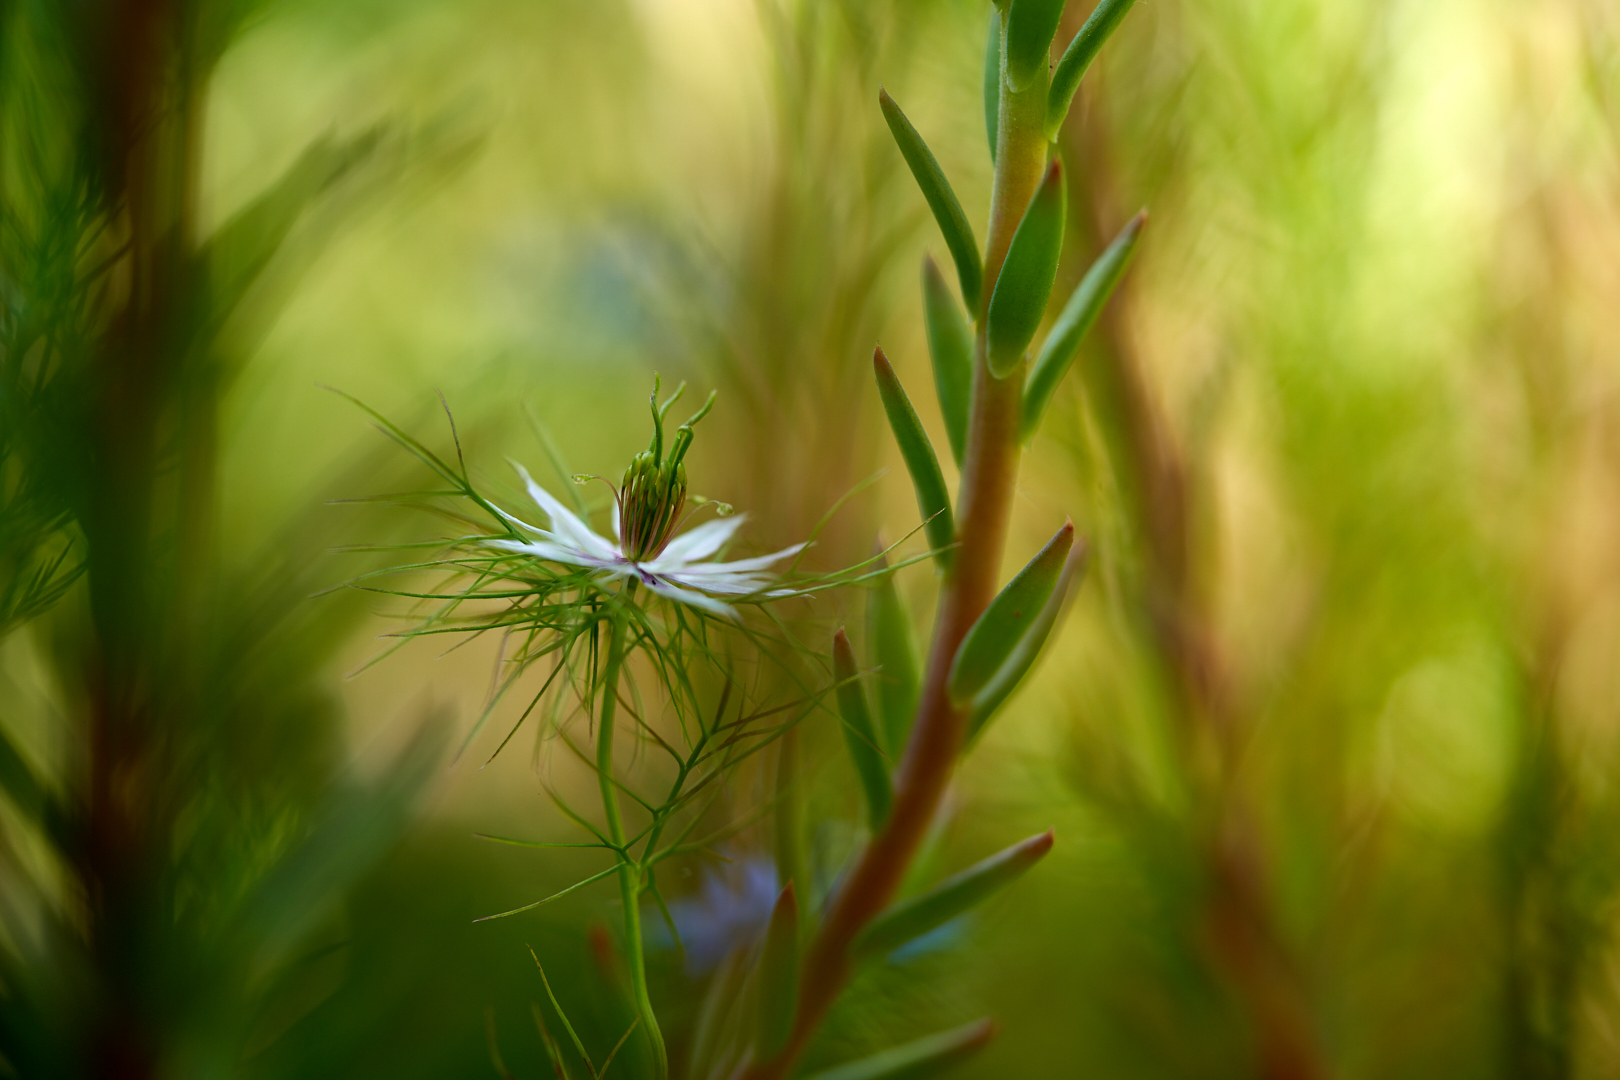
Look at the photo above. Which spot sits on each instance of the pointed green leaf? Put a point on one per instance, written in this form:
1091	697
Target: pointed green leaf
927	1057
953	223
1025	284
1031	25
997	632
992	82
1075	321
1023	656
1077	57
859	732
894	652
912	918
933	502
779	975
950	346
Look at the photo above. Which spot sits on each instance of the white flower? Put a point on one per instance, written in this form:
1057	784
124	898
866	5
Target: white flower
676	571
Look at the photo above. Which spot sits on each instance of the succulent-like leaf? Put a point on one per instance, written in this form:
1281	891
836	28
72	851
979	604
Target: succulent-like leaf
888	636
1105	17
950	346
779	974
1075	321
933	501
991	640
1031	25
959	893
926	1057
953	223
992	82
859	734
1024	654
1025	284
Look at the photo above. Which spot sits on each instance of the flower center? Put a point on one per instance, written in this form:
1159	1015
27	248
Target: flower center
653	493
651	500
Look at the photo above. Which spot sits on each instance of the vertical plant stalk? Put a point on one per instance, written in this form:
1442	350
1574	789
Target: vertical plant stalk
1238	928
989	473
630	870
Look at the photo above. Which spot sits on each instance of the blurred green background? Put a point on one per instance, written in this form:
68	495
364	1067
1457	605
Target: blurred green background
1352	419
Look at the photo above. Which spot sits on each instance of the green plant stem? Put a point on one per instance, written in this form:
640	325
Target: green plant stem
984	504
630	871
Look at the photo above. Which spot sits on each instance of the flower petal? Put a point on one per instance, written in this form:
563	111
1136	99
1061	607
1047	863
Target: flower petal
520	523
553	552
730	584
743	565
698	543
686	596
564	523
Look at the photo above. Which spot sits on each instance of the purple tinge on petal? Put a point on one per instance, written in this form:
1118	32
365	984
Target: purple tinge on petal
670	591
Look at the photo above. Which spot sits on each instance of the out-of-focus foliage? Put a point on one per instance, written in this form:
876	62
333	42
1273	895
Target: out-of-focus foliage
1327	737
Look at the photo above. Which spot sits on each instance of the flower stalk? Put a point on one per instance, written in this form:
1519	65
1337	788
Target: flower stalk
630	870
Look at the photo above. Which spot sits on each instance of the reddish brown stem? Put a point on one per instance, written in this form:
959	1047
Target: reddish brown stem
984	506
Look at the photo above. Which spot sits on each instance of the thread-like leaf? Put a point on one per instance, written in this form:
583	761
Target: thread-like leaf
1105	17
1025	284
991	640
919	1060
859	733
953	223
992	82
779	974
1024	654
888	636
959	893
950	346
933	502
1031	25
1075	321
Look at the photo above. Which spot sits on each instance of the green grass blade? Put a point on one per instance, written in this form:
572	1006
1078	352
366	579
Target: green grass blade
992	82
1031	26
960	893
894	652
568	1027
933	501
953	223
989	642
1023	656
1075	321
919	1060
779	975
950	347
1105	17
1019	301
859	733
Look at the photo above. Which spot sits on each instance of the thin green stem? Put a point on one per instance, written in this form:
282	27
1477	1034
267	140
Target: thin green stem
630	871
984	505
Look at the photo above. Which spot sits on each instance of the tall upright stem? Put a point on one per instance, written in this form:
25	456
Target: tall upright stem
629	869
984	504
